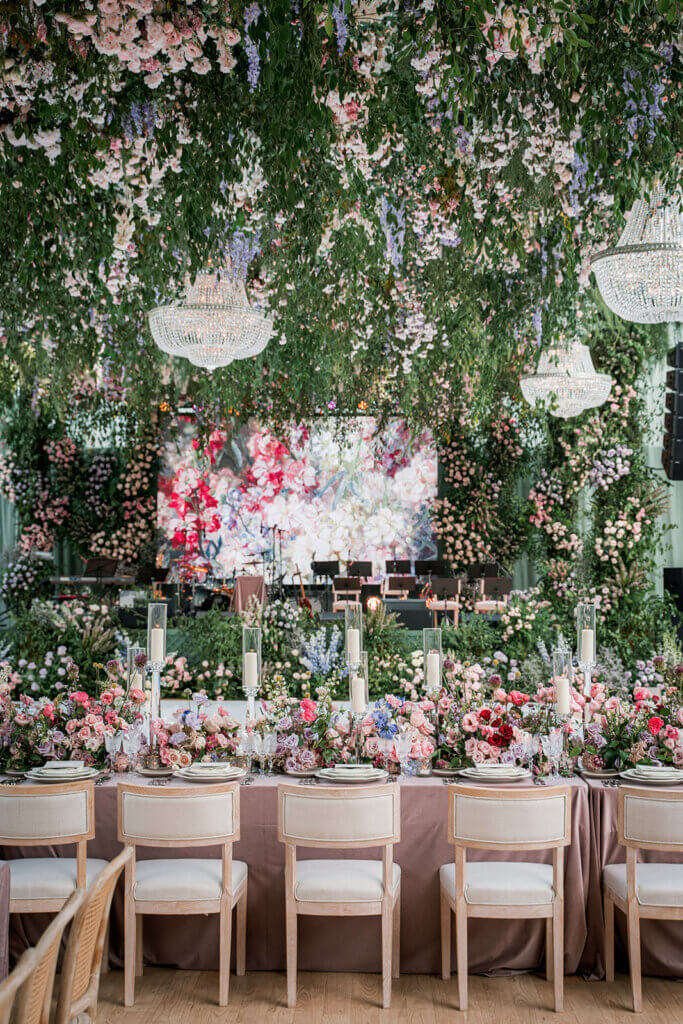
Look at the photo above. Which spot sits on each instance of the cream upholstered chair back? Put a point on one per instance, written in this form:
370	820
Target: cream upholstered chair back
47	815
524	819
179	815
650	819
339	816
80	976
29	986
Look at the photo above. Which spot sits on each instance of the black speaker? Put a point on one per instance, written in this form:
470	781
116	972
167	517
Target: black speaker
673	583
672	444
675	356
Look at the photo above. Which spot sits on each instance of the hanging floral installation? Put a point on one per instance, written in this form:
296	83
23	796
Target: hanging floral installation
418	187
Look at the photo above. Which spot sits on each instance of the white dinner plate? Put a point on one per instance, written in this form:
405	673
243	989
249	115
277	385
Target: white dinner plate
63	777
595	773
631	775
492	777
446	773
187	776
302	773
154	773
352	778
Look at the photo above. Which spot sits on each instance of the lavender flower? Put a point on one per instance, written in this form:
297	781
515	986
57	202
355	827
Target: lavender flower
340	25
251	14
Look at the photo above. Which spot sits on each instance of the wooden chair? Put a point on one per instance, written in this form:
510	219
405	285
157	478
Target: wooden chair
26	995
178	818
496	594
648	819
59	815
342	818
80	978
484	818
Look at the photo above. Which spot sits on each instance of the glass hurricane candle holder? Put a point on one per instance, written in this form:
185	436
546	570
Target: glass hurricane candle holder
433	661
562	682
156	633
353	629
359	692
251	659
136	660
586	635
586	647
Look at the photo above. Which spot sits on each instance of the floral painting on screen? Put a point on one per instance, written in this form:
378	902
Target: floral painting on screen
352	494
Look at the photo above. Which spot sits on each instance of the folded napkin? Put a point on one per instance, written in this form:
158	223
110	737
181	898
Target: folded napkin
210	766
656	772
497	769
63	766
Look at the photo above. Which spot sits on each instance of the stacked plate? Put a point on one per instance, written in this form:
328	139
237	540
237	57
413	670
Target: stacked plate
62	771
654	775
496	773
210	771
352	773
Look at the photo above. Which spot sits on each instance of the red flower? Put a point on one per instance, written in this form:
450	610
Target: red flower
506	731
496	740
82	698
309	710
518	698
485	714
655	724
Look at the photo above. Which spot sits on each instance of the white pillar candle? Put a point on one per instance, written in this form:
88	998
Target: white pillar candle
562	695
156	645
433	674
250	669
358	705
587	652
353	646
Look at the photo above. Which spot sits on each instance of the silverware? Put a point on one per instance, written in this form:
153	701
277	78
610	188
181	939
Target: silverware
102	779
247	780
159	782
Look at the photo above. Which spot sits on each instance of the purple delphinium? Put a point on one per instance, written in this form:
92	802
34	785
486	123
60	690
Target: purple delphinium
251	14
340	25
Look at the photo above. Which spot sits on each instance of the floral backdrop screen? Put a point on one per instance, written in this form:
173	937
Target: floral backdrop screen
333	490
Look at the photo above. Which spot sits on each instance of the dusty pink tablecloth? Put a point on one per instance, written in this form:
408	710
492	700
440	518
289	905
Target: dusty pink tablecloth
661	941
4	920
345	944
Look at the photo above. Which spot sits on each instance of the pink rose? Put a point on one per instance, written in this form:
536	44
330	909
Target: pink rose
470	723
655	724
309	710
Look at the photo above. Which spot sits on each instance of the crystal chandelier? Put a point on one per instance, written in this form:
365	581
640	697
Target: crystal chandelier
566	381
641	277
215	325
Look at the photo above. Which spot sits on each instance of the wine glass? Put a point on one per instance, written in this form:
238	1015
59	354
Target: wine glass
269	748
403	744
257	748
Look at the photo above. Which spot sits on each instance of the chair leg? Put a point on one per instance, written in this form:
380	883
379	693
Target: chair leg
129	953
290	930
387	938
609	937
549	949
241	934
225	944
461	953
445	938
558	954
396	943
633	920
104	966
138	945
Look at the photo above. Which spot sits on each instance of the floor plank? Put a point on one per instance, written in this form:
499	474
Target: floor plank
189	997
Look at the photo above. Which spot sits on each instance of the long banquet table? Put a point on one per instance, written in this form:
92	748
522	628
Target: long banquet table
343	944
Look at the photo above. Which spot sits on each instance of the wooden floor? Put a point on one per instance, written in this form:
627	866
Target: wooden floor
189	997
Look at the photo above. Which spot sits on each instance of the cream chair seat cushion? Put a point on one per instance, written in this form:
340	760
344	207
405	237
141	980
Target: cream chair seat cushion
502	883
48	878
341	881
490	606
183	879
658	885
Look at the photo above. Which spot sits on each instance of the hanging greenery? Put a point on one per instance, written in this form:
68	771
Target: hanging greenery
420	186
